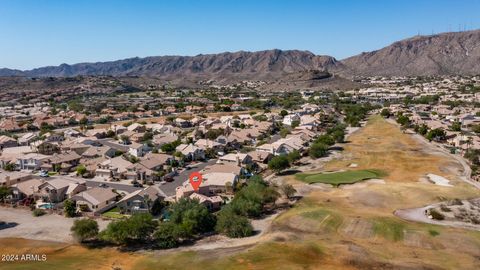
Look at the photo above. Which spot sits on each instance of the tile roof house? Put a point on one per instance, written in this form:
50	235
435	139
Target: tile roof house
6	142
26	188
96	200
27	138
236	158
212	203
31	161
161	139
60	188
113	168
141	200
191	152
8	179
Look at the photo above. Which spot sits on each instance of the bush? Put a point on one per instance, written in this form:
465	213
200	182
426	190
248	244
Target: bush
84	229
445	208
165	236
288	190
326	140
191	217
278	164
318	150
436	215
138	227
69	208
38	212
233	225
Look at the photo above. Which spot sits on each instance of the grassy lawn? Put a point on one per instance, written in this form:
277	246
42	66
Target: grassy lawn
113	213
338	178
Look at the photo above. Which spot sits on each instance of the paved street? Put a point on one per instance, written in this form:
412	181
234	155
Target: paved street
169	187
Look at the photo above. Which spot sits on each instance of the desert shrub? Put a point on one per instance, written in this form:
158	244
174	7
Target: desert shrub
445	208
84	229
436	215
38	212
456	202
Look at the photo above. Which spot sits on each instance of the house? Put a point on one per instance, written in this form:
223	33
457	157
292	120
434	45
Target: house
182	123
191	152
112	168
26	189
141	201
236	158
227	167
60	188
97	133
212	203
9	125
62	162
290	119
161	139
6	142
260	157
209	144
155	162
44	147
98	151
283	146
27	138
136	127
31	161
96	200
137	149
8	179
212	184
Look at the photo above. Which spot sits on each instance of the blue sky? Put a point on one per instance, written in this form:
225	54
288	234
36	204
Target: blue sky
41	32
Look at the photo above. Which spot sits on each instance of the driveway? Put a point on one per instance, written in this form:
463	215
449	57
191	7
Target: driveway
169	187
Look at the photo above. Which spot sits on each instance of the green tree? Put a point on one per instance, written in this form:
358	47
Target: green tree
278	163
293	156
137	228
318	150
233	225
437	134
84	229
166	236
385	113
191	217
4	193
326	139
69	208
10	167
456	126
283	113
81	170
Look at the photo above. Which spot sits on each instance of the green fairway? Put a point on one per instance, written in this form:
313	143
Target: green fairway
339	178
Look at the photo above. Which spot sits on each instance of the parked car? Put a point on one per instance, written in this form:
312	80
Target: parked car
136	184
103	185
43	174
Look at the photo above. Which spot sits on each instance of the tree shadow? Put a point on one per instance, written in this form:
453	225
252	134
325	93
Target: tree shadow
7	225
289	172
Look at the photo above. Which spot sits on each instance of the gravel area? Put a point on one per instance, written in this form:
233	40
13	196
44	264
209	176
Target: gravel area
50	227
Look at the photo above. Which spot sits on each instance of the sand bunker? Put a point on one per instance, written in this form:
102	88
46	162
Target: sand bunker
438	180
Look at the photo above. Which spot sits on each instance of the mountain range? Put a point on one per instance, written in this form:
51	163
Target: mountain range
441	54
